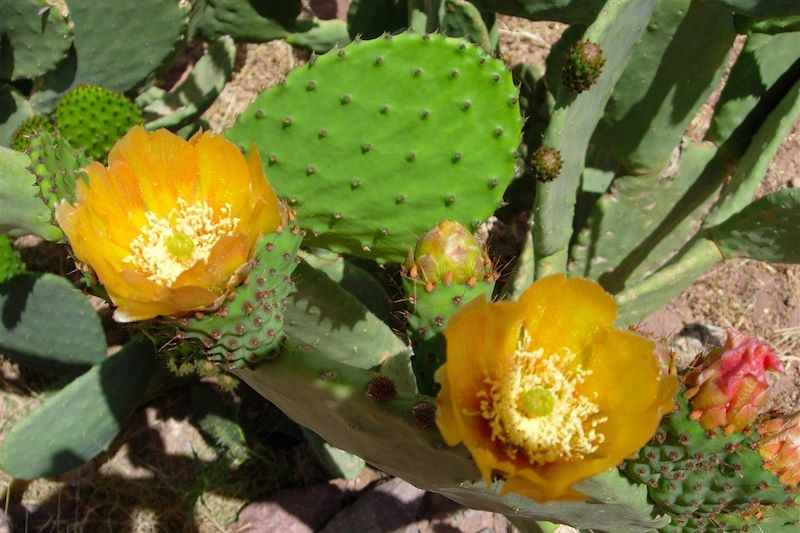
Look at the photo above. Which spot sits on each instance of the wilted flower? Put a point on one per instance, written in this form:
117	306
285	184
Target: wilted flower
730	385
780	449
545	391
169	224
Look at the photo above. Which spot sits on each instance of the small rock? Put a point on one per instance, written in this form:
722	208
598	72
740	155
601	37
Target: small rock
695	339
441	515
291	510
390	505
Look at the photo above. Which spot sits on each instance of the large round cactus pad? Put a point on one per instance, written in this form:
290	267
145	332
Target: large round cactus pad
376	142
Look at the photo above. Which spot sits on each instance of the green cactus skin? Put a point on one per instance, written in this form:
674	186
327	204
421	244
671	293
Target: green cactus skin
23	211
447	269
766	230
694	475
186	102
644	122
583	66
21	141
94	118
248	327
57	166
245	21
78	422
765	71
15	110
608	239
319	36
461	18
56	329
10	261
430	312
341	152
122	46
545	164
569	131
752	168
38	38
671	209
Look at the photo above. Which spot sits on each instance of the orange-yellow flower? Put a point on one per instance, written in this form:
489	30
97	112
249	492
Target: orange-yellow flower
545	391
169	223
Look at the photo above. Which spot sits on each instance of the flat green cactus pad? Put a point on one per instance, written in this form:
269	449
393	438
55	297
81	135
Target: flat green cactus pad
49	325
38	38
376	142
80	420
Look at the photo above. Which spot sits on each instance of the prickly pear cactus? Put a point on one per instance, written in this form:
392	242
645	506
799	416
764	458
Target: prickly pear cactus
447	269
57	166
706	466
342	152
21	139
694	474
94	118
248	327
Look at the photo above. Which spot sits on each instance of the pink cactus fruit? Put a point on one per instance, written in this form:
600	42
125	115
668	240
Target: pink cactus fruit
729	386
780	449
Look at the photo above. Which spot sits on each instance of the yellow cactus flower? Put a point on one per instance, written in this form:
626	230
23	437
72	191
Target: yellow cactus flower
545	391
169	224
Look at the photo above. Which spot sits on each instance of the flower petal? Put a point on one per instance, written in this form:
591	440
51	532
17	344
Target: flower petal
566	313
624	372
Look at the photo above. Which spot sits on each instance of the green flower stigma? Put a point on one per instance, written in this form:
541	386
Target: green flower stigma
180	245
538	402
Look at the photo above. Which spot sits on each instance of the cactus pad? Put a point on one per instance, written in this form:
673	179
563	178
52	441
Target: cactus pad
80	421
370	170
249	326
695	475
56	165
94	118
21	139
37	35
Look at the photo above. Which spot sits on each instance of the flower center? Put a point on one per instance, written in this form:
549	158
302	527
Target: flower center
535	408
167	247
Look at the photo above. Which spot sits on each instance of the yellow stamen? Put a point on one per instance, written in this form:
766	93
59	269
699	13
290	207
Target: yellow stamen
167	247
535	407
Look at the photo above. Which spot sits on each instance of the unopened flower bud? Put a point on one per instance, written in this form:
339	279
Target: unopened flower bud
448	254
730	385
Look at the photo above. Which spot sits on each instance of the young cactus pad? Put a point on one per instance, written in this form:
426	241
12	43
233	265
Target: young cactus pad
94	118
370	170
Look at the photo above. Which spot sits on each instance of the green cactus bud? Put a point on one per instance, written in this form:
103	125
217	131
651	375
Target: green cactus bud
21	138
583	65
94	118
546	164
448	254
